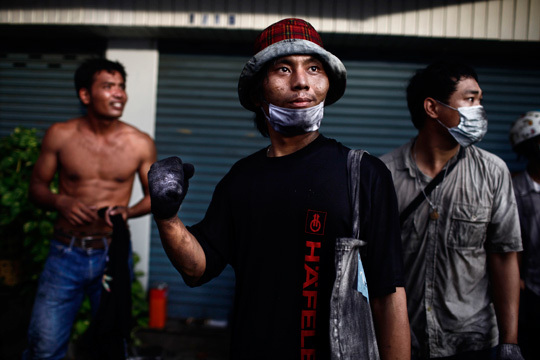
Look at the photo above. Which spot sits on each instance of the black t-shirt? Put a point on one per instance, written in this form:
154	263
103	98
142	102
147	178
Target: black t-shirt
275	220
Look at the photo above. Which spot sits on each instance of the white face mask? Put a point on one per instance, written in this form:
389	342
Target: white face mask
292	122
472	124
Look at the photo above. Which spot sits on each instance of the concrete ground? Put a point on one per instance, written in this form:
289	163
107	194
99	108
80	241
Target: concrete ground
183	340
180	339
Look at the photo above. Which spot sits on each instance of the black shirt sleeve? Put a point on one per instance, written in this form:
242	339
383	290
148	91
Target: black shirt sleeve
380	228
214	234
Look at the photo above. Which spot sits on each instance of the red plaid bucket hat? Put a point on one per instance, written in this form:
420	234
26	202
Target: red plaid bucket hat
290	37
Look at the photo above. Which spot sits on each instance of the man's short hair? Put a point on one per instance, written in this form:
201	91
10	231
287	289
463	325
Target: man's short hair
258	96
438	81
528	149
84	75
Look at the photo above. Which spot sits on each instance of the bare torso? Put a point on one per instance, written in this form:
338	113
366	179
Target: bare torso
97	168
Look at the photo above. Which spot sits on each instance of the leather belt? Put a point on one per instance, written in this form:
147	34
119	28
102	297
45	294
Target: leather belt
84	242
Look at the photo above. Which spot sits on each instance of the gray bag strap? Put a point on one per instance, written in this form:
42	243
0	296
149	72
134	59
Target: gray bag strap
352	332
353	166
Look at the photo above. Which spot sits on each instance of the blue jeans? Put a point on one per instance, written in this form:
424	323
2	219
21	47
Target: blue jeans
69	273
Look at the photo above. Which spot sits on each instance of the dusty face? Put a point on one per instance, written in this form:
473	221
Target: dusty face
468	93
295	82
107	96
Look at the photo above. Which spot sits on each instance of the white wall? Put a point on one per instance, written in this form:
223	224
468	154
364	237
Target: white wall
513	20
140	59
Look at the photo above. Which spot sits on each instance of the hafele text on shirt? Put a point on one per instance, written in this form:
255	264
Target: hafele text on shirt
311	283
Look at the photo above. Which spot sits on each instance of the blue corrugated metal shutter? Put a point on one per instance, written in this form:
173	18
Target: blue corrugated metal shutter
508	93
373	113
37	90
200	119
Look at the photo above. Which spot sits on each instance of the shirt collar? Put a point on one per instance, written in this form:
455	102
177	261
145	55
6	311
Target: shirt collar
533	185
406	161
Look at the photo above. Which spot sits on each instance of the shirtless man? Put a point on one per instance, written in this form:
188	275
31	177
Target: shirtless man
96	157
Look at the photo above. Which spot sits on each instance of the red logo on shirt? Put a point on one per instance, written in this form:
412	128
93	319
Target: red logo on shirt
315	222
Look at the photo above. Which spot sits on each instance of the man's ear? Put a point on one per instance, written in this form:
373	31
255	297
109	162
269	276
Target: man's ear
431	107
84	95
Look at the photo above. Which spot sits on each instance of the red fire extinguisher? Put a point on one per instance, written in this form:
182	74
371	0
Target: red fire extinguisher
158	306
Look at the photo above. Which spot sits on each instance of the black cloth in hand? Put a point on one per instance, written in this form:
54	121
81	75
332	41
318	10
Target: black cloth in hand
109	332
509	352
168	184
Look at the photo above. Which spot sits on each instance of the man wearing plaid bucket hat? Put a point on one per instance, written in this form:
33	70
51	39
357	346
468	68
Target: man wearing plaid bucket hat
279	214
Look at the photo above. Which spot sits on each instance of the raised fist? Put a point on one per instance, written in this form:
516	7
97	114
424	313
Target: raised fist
509	352
168	184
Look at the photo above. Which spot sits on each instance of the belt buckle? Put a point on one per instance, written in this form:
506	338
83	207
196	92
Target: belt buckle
84	240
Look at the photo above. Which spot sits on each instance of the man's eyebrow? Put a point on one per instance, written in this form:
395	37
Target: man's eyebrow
111	83
470	91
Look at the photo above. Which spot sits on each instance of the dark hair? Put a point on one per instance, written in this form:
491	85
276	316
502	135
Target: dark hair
438	81
528	149
258	96
260	122
84	75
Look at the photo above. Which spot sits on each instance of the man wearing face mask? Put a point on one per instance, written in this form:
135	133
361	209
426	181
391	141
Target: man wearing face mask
460	225
278	215
525	139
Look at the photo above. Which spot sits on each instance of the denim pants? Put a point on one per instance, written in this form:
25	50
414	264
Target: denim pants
69	273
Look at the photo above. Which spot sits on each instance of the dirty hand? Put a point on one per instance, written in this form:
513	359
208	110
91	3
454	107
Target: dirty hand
76	212
109	211
168	184
509	352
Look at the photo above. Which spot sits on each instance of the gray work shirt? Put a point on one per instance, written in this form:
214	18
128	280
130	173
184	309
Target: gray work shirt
528	200
447	282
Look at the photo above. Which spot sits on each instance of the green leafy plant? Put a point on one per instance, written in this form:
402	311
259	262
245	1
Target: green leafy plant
138	298
25	228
